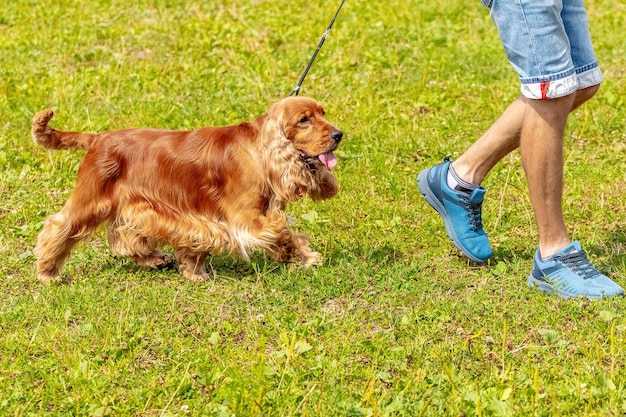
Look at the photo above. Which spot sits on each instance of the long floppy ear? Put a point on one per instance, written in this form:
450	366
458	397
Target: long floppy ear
281	160
326	186
273	119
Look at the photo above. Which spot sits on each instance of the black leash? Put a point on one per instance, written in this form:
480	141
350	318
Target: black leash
296	90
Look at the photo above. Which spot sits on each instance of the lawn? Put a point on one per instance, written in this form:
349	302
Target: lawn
395	322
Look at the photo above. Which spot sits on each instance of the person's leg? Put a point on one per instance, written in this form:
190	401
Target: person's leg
499	140
558	74
535	122
502	138
541	149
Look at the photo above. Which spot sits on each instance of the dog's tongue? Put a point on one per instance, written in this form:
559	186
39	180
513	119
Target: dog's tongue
329	160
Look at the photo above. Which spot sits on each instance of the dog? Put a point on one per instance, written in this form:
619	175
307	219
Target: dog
202	192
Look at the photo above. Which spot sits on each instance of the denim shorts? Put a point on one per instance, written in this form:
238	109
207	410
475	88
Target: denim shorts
548	43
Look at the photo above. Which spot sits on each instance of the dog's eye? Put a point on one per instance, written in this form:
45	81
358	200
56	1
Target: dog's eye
304	119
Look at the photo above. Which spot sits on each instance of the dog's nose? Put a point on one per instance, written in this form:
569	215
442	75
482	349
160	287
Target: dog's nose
336	135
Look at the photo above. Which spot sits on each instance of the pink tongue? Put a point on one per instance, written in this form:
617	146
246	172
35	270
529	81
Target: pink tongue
328	159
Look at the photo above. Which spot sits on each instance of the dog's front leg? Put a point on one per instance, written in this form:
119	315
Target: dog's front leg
302	253
191	264
283	245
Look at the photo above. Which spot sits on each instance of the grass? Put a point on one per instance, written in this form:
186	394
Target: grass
396	322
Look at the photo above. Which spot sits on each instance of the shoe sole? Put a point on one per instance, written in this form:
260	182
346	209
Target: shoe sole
549	289
431	199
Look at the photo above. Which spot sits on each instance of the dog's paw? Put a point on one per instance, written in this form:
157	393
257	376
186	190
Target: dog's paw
48	279
163	260
157	260
311	259
195	276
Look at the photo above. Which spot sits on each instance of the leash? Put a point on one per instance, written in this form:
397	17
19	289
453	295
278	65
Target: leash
296	90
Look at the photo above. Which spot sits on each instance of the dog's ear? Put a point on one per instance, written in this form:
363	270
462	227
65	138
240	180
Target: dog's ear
272	124
259	122
276	113
326	186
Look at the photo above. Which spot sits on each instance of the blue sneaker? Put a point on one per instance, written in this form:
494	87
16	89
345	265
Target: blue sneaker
570	274
460	211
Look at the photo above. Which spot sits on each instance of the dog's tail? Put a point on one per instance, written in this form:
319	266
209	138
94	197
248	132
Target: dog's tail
50	138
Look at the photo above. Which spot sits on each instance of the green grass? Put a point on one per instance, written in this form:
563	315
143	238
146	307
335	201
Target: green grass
396	322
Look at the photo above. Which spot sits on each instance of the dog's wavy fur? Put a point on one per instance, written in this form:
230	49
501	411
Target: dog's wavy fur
205	191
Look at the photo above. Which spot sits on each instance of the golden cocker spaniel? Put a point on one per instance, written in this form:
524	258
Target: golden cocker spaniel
204	191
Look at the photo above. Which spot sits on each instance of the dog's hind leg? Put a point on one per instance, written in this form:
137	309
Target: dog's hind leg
89	205
142	251
191	264
54	245
61	231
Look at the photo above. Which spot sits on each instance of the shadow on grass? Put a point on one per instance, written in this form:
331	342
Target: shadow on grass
508	253
611	251
222	265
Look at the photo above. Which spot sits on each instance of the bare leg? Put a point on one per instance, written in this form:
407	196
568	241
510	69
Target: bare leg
498	141
536	126
541	148
502	138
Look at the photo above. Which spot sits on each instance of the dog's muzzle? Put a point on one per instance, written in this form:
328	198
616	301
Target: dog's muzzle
328	159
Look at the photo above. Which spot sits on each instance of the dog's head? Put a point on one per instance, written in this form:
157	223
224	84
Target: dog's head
302	122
